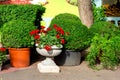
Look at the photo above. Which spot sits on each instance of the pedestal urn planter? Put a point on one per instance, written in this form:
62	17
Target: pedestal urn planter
48	65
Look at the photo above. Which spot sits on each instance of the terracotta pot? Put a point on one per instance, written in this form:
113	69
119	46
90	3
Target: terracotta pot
19	57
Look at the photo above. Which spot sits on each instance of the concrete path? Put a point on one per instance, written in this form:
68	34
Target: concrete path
81	72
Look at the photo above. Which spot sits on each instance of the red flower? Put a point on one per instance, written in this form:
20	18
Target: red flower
62	41
43	31
33	32
55	26
48	47
2	49
48	29
58	36
59	29
36	36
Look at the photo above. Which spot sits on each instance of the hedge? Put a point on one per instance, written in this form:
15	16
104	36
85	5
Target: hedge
28	12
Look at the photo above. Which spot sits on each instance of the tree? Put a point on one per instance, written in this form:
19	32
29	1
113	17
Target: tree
85	12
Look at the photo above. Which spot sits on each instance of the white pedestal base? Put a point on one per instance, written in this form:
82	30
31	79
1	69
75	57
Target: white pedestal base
48	66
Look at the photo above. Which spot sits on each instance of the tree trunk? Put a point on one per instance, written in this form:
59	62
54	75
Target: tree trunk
85	12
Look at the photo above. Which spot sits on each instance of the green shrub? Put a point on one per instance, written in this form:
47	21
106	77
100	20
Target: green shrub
78	38
98	12
1	22
103	27
104	51
15	34
105	46
31	13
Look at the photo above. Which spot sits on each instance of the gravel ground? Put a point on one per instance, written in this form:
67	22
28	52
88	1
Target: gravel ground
81	72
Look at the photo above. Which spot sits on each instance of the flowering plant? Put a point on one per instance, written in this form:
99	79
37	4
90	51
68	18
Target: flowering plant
45	38
2	55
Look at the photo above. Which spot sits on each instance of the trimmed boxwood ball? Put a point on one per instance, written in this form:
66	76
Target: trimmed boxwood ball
15	34
78	38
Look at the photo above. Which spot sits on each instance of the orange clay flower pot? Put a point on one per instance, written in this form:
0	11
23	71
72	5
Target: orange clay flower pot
19	57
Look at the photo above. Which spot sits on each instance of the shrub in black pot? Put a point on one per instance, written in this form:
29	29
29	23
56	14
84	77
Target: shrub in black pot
77	40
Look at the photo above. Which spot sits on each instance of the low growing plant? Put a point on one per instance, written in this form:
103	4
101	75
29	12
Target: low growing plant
104	51
105	46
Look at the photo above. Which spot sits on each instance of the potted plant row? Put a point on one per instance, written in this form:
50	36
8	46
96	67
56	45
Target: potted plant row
15	37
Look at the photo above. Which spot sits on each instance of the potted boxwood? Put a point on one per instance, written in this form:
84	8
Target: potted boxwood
15	37
77	40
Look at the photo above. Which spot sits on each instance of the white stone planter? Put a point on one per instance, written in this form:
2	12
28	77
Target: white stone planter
48	65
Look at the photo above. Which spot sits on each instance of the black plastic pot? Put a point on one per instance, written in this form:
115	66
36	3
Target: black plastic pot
68	58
